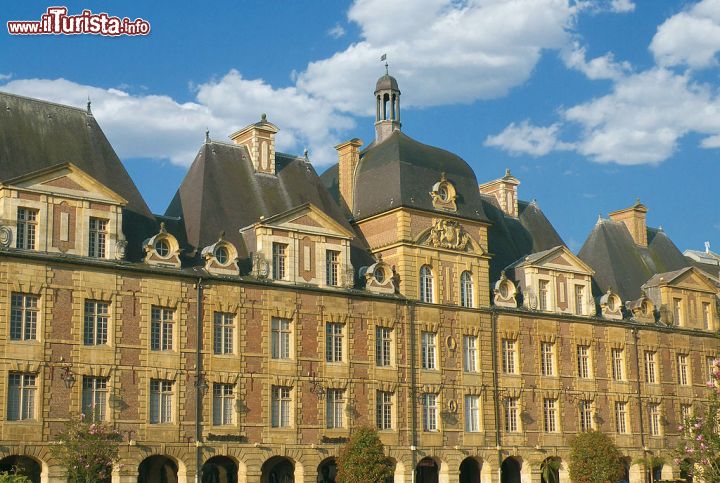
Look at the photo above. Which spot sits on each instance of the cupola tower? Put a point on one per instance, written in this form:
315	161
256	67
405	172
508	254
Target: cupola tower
387	99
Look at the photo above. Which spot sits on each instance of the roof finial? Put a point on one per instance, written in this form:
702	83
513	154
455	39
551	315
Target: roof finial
89	104
599	218
305	153
383	58
207	135
263	117
707	247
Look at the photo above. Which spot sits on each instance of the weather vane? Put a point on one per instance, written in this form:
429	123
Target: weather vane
383	58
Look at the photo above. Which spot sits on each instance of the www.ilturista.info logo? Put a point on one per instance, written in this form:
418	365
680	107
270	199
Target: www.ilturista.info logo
56	21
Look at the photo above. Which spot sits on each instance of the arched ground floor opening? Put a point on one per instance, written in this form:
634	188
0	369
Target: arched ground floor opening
510	471
219	469
278	469
427	471
23	466
158	469
327	471
470	469
550	470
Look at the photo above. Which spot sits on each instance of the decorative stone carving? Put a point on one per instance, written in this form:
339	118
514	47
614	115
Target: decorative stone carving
6	236
120	249
443	195
448	234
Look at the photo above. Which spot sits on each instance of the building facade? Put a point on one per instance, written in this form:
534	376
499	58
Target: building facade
242	335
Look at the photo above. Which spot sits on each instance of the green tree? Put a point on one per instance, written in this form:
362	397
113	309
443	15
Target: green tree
87	449
12	477
699	450
594	458
363	460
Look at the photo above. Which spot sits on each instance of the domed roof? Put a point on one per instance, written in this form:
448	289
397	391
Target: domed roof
386	82
400	171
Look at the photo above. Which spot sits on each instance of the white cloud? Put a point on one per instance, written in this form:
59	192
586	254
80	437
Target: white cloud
622	6
603	67
337	31
4	77
689	38
527	139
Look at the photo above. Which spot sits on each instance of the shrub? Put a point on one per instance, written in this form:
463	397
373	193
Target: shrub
363	460
594	458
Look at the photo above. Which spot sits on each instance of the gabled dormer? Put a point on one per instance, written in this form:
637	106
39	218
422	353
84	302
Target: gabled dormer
685	297
555	280
302	245
62	209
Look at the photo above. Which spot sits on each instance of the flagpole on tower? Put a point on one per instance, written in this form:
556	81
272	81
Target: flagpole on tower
384	58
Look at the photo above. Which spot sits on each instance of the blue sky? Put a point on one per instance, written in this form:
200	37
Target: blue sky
591	104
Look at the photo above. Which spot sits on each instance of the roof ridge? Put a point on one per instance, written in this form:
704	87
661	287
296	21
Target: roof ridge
43	101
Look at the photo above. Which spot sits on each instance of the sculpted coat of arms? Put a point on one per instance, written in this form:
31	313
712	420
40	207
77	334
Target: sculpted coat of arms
448	234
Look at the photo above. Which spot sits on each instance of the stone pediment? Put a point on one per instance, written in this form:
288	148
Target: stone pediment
306	218
690	278
450	235
559	259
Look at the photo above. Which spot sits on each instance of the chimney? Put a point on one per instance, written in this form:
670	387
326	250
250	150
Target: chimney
635	221
505	192
259	139
348	159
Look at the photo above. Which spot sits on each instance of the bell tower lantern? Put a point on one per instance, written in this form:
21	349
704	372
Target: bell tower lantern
387	113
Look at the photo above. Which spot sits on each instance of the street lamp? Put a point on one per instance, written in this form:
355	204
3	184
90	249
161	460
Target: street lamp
201	385
67	376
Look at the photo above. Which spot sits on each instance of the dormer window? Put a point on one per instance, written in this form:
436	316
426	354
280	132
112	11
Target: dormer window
97	238
543	294
466	289
332	267
379	274
426	284
221	255
162	248
26	228
279	252
443	195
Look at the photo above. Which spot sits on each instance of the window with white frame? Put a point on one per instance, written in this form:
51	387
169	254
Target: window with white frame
94	397
281	401
579	299
334	341
550	413
332	267
547	358
429	348
161	328
26	228
621	423
509	356
618	364
334	408
383	410
97	315
511	410
685	412
429	406
650	367
466	289
470	353
23	316
682	369
426	284
472	413
280	338
677	312
586	415
710	367
706	315
223	331
383	346
654	419
22	389
223	404
543	294
279	254
161	401
97	237
583	361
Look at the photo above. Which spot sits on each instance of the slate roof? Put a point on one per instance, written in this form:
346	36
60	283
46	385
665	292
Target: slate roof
36	134
623	266
222	192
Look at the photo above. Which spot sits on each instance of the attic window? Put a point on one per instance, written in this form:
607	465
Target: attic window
379	275
221	255
162	248
645	308
611	304
443	193
504	290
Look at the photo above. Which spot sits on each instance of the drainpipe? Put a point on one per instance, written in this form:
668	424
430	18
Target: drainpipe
198	375
496	389
413	390
640	406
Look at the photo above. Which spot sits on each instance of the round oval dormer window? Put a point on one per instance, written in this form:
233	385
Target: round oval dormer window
222	255
162	248
611	304
504	290
379	275
443	193
645	308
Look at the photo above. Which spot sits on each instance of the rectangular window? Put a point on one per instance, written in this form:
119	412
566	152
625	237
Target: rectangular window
579	299
470	343
543	294
654	419
706	315
161	328
334	408
583	360
650	374
332	267
677	312
161	401
472	413
621	417
223	329
429	412
685	412
279	253
510	405
428	350
280	338
223	404
508	356
281	405
618	362
710	366
550	411
682	368
334	342
383	410
586	419
23	316
97	237
383	346
26	228
94	397
97	315
547	358
21	397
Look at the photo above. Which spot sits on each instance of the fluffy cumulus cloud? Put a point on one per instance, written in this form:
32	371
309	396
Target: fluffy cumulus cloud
524	138
689	38
622	6
603	67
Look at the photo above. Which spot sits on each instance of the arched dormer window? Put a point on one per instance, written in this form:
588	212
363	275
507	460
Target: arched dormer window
162	249
426	284
221	257
466	289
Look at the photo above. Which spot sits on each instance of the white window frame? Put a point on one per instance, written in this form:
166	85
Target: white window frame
585	408
94	397
472	413
281	407
334	408
161	401
470	353
97	237
223	404
550	412
384	410
279	260
651	367
579	299
332	267
544	295
707	315
654	419
26	228
24	316
162	325
22	394
427	284
96	322
683	369
428	350
466	289
511	410
584	363
334	341
617	356
430	412
383	346
509	356
547	358
621	417
280	338
223	333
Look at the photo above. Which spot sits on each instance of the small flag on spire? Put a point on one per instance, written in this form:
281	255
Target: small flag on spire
383	57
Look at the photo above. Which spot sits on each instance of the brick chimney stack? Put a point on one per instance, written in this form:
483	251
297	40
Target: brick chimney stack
348	159
635	221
